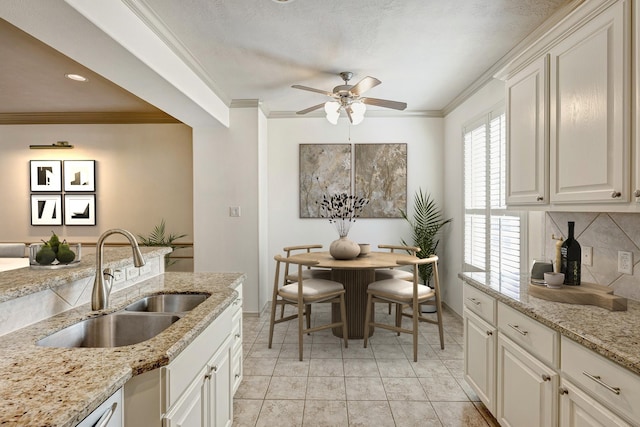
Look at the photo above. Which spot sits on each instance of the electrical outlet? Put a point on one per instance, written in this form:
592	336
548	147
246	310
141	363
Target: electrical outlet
625	262
587	255
234	211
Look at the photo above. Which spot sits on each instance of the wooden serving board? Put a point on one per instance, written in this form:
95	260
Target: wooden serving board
586	293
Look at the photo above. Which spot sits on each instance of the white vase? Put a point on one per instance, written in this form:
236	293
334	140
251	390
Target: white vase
344	248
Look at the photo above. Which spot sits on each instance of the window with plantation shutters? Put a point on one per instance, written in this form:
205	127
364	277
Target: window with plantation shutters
492	235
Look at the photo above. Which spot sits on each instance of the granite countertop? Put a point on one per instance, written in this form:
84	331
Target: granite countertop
613	334
24	281
60	386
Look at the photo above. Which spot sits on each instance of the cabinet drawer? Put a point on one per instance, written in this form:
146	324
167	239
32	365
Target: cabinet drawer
480	303
609	383
538	339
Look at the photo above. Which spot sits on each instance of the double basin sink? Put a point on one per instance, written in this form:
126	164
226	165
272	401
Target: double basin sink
137	322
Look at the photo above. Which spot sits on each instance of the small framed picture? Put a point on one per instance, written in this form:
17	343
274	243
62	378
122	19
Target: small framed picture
46	175
46	209
80	209
80	175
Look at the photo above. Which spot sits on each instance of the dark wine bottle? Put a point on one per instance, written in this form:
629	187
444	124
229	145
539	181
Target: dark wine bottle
571	257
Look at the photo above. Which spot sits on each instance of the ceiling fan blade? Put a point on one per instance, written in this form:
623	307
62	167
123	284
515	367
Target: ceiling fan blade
310	89
385	103
310	109
364	85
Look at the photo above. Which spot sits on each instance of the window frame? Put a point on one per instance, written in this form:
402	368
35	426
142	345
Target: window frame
489	212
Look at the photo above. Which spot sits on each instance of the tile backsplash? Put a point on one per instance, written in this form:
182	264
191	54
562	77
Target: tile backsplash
606	233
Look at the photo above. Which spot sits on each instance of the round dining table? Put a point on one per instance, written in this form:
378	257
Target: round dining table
356	275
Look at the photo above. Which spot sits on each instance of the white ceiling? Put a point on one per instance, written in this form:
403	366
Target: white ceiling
426	52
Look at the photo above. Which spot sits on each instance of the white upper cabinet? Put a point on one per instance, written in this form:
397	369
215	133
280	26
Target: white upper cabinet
589	111
568	113
527	135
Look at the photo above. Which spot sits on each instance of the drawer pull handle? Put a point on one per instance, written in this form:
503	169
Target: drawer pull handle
597	379
475	301
237	375
539	198
615	194
237	335
489	333
106	417
546	377
517	329
563	390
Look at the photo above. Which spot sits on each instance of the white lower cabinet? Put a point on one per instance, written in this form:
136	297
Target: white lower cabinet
526	388
195	389
526	374
236	345
577	409
480	358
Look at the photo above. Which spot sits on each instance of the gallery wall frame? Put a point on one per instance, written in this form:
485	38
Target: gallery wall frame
79	175
46	175
381	177
46	209
324	169
80	209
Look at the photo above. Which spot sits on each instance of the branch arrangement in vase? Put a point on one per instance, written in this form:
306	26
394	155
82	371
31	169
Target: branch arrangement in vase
342	209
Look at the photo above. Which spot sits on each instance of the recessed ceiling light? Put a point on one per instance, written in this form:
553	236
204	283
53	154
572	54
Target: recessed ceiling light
76	77
283	1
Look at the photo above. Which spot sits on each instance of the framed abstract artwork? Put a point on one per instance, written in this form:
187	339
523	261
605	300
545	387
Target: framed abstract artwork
46	175
324	169
79	175
80	209
381	177
46	209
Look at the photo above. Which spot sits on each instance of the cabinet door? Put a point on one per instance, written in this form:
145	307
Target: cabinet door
527	135
191	409
480	358
219	396
526	388
589	111
577	409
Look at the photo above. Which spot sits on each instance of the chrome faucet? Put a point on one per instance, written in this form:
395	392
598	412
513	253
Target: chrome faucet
104	278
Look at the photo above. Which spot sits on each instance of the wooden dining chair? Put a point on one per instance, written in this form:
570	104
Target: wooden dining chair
403	292
303	293
396	273
308	272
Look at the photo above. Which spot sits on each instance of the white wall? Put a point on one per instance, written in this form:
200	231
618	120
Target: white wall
143	174
481	102
424	137
226	173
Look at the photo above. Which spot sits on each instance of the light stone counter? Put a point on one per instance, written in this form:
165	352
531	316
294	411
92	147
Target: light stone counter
613	334
25	281
42	386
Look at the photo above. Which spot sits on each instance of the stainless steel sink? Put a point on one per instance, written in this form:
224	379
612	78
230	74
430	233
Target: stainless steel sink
111	330
168	303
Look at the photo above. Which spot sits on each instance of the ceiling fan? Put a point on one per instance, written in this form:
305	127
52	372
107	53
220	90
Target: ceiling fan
348	98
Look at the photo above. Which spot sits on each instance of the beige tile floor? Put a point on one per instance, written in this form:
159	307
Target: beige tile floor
374	387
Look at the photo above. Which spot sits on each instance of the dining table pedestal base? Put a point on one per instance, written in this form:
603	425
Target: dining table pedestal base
355	283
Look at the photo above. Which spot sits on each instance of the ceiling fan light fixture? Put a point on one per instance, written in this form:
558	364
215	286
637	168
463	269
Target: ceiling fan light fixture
333	118
332	107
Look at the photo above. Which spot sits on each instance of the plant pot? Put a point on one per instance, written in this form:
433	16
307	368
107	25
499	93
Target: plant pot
344	248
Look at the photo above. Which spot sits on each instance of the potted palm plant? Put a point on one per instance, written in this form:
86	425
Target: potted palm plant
426	225
158	237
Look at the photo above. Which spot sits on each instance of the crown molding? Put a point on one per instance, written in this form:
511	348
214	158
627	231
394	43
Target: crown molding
84	118
142	10
534	36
